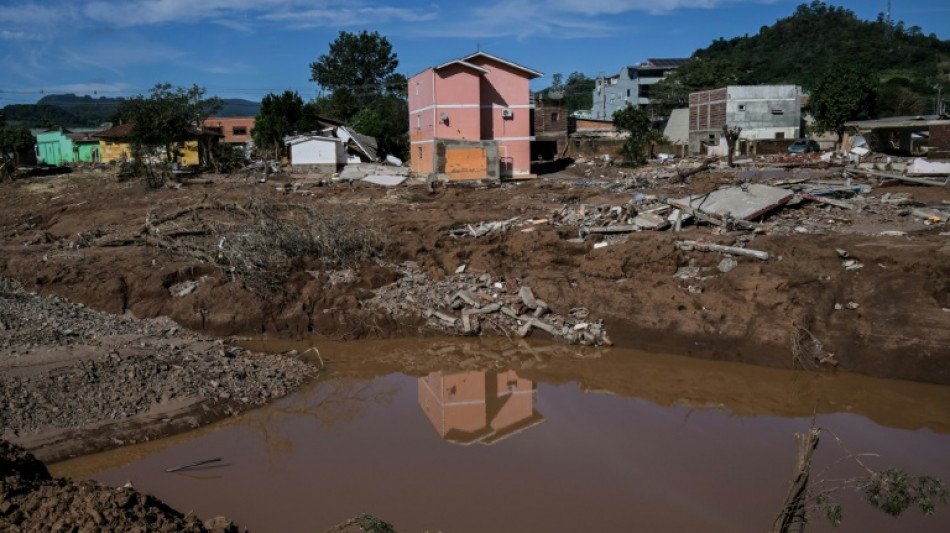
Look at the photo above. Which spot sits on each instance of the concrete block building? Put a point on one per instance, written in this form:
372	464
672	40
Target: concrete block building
630	86
762	111
470	118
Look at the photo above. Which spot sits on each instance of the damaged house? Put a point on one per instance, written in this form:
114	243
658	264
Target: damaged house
914	135
331	148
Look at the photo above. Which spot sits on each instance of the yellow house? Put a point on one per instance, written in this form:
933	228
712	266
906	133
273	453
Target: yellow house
114	145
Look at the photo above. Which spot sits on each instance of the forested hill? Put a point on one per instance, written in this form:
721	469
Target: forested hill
798	49
71	111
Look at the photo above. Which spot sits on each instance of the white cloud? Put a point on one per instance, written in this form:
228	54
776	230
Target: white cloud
612	7
114	58
19	36
243	14
149	12
349	16
564	19
30	14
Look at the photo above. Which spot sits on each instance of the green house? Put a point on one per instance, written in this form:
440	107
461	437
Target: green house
85	147
59	146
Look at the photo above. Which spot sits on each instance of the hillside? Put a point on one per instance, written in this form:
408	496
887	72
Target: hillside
72	111
799	48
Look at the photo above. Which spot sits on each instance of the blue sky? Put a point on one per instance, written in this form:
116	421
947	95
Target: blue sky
247	48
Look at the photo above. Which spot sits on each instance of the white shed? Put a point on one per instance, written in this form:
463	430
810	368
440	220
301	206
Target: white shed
315	150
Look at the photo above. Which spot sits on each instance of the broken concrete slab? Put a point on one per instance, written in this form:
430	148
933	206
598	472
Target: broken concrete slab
742	203
651	221
385	181
924	167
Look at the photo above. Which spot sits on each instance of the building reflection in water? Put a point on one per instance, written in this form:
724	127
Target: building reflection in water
483	407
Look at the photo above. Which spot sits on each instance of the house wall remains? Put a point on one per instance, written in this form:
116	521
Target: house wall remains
323	151
762	111
467	160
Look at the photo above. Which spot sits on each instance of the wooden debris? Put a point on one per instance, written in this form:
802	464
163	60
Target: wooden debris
484	228
193	465
712	247
899	177
829	201
610	229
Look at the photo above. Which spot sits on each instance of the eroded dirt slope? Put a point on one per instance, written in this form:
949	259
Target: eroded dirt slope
88	238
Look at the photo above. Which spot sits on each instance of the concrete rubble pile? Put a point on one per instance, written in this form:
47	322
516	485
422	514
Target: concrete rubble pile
469	303
772	202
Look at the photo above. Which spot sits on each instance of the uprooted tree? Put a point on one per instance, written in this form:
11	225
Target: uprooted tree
731	134
891	491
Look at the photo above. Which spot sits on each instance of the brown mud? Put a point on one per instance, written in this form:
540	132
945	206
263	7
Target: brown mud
60	236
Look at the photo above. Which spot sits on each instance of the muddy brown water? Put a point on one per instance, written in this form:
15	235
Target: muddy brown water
582	441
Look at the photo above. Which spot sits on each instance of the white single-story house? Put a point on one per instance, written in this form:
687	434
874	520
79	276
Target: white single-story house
316	150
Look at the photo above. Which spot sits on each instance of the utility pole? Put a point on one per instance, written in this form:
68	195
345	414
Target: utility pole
602	82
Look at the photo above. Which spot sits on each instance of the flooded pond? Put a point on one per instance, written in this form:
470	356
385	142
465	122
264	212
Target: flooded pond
542	439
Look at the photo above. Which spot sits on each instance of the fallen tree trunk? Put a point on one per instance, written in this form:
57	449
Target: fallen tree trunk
792	518
704	166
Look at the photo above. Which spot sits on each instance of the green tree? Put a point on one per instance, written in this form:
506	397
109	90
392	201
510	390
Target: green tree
13	141
557	83
800	48
279	116
358	69
164	120
388	121
642	132
359	74
579	92
843	93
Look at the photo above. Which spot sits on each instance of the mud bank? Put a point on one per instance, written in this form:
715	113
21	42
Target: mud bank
32	500
83	238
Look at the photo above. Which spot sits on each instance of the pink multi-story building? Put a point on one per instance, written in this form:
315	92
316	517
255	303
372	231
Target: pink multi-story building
470	119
